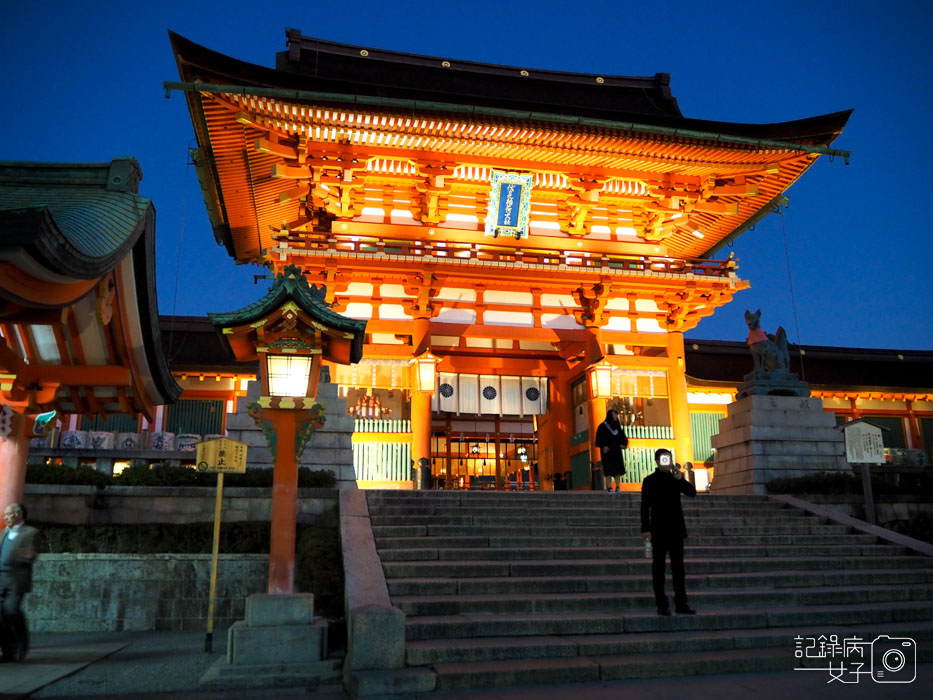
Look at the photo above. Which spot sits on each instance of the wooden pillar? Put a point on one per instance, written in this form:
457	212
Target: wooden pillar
420	400
420	425
597	414
13	451
914	437
284	503
677	395
561	421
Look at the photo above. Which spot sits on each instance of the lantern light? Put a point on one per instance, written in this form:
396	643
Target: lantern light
600	379
425	370
289	375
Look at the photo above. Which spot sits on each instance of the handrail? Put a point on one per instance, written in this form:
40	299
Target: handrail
365	245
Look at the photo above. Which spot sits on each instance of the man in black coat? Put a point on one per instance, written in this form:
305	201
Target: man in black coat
662	521
18	551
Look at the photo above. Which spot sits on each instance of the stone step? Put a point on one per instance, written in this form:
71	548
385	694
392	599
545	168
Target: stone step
384	544
603	522
472	650
548	519
632	550
567	498
551	529
620	602
770	510
602	560
593	623
635	583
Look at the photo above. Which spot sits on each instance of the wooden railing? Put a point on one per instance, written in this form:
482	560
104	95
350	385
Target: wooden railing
455	251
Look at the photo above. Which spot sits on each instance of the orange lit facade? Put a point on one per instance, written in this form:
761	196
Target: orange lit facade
376	173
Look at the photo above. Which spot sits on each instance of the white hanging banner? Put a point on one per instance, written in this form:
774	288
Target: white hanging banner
447	393
511	395
490	400
469	393
533	403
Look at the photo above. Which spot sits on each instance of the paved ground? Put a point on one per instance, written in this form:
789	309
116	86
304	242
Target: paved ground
167	665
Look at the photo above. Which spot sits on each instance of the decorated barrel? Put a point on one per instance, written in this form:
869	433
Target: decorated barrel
101	440
162	441
129	441
187	442
74	439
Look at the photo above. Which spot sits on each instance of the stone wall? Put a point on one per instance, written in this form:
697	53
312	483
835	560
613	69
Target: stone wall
330	448
117	592
887	508
122	505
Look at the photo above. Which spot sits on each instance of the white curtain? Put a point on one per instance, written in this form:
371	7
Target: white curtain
469	393
511	395
534	395
448	394
490	394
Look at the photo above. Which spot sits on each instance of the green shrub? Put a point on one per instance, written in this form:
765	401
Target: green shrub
920	527
835	483
53	474
825	483
164	475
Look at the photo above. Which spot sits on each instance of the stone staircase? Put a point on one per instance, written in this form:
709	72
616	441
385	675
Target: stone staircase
503	589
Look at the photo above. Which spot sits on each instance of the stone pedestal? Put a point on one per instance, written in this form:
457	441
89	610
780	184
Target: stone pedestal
771	437
279	643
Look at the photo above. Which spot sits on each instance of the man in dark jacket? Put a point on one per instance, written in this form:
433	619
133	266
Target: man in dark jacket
662	521
18	551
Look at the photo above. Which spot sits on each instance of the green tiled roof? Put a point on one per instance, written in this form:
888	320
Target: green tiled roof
79	220
292	285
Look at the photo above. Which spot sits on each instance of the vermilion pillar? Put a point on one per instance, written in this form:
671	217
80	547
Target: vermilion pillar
284	502
13	451
420	425
420	400
560	417
677	393
597	414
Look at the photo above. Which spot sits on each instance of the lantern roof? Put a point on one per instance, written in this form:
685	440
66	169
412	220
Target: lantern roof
291	287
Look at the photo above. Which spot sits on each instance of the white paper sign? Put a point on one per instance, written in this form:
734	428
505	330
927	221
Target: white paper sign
864	444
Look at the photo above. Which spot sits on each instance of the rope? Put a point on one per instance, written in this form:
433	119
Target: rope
181	233
790	282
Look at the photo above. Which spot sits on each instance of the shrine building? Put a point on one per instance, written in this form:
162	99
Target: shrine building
527	247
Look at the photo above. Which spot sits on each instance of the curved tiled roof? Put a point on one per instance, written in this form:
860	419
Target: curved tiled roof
65	226
291	285
72	217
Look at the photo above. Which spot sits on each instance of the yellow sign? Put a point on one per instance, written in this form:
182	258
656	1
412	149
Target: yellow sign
222	455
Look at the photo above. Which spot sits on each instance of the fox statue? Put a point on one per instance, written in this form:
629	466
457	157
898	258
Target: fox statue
770	352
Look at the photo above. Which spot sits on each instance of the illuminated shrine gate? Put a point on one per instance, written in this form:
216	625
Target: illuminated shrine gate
492	221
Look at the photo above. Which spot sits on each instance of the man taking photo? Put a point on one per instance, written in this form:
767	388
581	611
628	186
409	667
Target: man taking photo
662	522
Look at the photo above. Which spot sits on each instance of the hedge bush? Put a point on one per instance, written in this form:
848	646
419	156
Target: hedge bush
919	527
164	475
835	483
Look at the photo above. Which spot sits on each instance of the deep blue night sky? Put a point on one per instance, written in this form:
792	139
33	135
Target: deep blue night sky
83	82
